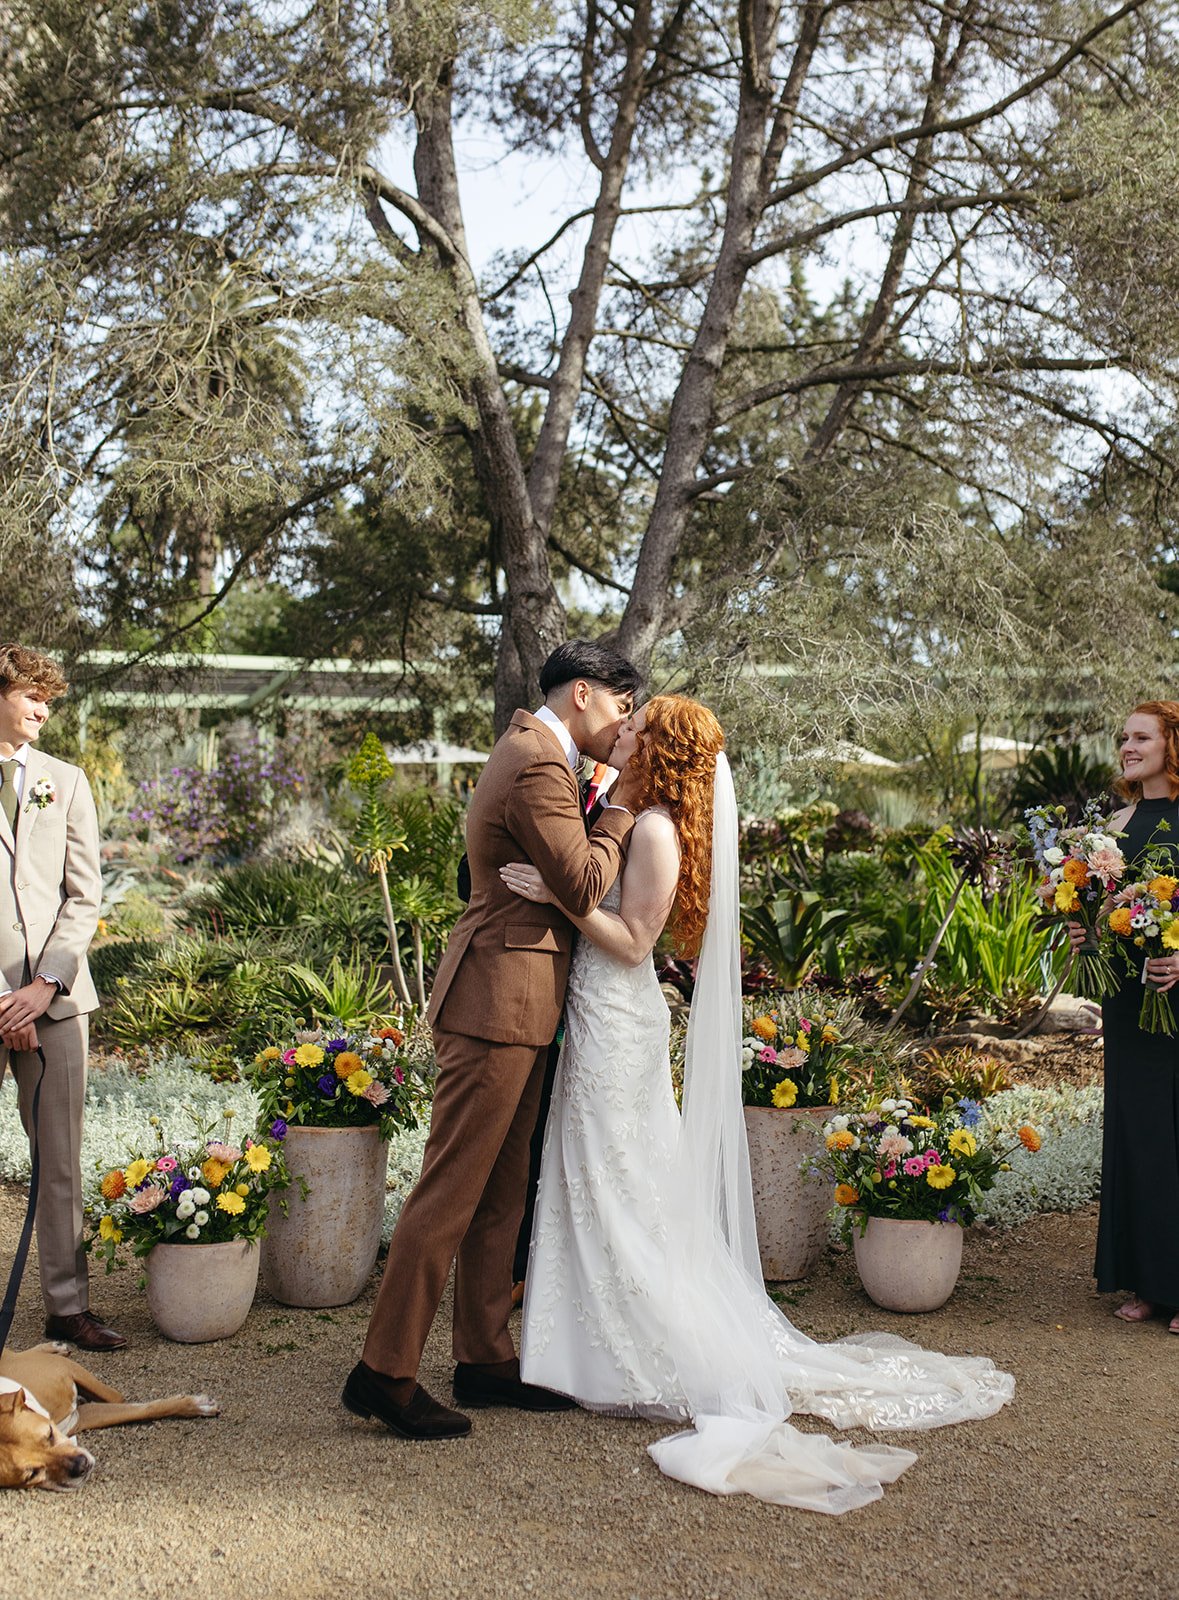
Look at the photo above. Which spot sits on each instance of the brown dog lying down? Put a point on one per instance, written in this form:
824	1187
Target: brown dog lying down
46	1397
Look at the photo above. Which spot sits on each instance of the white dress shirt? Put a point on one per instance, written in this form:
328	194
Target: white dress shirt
21	757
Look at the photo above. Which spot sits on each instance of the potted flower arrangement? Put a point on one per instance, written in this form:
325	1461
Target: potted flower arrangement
334	1098
906	1184
792	1052
196	1209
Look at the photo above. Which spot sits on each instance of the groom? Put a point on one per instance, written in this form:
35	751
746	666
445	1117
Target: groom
495	1005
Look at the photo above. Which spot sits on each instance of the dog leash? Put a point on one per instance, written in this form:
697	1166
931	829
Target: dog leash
8	1309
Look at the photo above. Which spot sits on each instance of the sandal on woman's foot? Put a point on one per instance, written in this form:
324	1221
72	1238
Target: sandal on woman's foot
1137	1310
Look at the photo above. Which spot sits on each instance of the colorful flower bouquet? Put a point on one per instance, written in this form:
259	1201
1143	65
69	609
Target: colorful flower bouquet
791	1052
334	1079
203	1190
1145	916
1080	868
891	1161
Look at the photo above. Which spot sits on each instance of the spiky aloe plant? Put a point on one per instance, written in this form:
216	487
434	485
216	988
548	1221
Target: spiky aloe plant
377	836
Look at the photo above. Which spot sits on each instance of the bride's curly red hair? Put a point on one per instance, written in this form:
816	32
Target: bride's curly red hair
676	758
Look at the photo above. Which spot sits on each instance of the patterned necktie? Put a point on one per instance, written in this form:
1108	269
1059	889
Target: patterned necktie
8	801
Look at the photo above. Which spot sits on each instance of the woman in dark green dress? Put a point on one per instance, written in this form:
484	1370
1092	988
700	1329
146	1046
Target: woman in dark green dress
1138	1231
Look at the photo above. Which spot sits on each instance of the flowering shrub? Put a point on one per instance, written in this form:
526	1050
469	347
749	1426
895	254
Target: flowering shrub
890	1161
203	1190
336	1079
222	813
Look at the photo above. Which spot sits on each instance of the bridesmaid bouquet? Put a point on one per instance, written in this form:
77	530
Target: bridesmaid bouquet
1146	916
1079	868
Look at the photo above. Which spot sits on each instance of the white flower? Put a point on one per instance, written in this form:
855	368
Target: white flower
185	1209
1054	856
194	1173
200	1197
201	1218
192	1231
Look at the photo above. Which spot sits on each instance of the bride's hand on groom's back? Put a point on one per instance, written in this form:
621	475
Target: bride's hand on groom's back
526	881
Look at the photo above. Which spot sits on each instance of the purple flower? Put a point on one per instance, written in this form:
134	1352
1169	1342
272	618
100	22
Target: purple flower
327	1085
278	1129
179	1184
337	1045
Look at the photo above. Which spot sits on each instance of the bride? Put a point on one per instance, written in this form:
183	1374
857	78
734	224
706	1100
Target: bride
644	1294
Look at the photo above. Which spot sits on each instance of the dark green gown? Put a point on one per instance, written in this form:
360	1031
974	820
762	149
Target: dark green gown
1138	1231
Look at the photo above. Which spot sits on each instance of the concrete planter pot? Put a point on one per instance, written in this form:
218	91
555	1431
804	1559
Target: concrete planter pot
200	1292
789	1207
908	1266
321	1252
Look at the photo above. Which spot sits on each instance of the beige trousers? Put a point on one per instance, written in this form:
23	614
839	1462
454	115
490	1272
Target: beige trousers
60	1247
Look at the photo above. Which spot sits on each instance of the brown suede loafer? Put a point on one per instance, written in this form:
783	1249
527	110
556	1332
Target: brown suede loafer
84	1330
476	1386
371	1394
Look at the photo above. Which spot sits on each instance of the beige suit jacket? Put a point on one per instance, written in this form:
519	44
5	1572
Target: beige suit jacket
506	965
51	886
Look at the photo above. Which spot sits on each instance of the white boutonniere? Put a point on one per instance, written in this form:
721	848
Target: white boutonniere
42	794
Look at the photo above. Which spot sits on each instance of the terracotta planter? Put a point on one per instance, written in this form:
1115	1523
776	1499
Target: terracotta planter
322	1251
908	1266
790	1208
199	1292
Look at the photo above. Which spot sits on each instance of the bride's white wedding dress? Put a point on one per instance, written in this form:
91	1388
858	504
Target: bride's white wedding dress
644	1295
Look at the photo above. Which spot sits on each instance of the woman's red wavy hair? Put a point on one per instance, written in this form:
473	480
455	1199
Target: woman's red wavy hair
676	758
1166	714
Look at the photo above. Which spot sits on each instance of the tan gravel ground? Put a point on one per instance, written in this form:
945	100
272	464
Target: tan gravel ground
1069	1492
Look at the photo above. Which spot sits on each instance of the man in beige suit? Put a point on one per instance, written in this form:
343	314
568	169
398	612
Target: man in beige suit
495	1005
50	887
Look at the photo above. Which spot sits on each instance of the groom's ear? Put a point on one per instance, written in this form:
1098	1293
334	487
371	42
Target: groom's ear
580	691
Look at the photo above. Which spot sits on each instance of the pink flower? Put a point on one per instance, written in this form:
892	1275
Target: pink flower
915	1167
148	1198
890	1171
805	1024
398	1075
768	1057
791	1057
376	1094
893	1146
932	1159
1107	863
289	1056
166	1164
223	1152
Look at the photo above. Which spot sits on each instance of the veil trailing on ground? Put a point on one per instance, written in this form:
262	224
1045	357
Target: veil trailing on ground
742	1366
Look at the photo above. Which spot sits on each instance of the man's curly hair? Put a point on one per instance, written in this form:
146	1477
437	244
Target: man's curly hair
29	669
676	758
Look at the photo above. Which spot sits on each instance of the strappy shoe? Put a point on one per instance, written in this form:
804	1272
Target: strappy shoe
1138	1310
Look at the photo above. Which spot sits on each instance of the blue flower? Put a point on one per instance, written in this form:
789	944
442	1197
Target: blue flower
337	1045
327	1085
970	1112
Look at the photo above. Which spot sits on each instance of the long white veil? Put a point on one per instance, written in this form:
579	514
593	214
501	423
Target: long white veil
742	1366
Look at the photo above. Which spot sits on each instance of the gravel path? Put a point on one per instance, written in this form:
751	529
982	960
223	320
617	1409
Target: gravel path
1069	1492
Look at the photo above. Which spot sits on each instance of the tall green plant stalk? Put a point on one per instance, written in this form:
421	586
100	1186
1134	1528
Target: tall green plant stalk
376	837
927	959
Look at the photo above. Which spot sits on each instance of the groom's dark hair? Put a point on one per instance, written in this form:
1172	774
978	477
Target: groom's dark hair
584	658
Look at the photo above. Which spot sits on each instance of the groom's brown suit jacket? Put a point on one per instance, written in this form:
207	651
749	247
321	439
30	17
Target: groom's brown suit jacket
506	964
495	1006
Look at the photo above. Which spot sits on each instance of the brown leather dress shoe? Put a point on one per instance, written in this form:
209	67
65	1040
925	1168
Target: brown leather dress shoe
372	1394
84	1330
478	1386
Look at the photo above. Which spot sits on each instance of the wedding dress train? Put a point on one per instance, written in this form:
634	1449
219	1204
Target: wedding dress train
644	1295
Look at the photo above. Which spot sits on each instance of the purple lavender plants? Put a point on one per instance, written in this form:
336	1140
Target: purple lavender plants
223	814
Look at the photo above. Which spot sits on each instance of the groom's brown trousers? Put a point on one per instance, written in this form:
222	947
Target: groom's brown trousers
466	1207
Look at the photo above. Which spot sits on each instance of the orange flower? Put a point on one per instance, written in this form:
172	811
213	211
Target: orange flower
1120	921
841	1139
1163	886
347	1062
395	1034
765	1028
1076	871
1029	1138
845	1195
114	1185
213	1172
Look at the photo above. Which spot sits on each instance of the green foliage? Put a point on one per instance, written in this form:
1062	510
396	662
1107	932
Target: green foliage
347	993
1060	774
790	933
112	959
